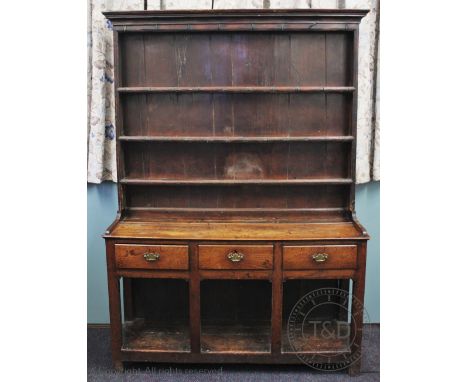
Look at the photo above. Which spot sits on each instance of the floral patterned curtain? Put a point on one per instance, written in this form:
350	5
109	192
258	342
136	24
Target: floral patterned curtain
101	125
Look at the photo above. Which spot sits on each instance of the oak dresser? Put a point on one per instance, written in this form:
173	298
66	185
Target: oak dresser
236	145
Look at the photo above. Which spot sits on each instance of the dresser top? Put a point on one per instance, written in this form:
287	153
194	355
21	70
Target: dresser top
165	230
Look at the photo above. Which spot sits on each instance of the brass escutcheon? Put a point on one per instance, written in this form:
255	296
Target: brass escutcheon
320	257
151	256
235	256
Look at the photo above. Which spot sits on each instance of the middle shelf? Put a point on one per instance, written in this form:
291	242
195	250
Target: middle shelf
227	182
237	89
221	163
234	139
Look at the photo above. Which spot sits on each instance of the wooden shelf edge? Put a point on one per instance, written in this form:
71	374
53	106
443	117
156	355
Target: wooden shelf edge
240	215
236	89
256	14
359	226
116	221
153	273
176	209
143	138
233	182
203	230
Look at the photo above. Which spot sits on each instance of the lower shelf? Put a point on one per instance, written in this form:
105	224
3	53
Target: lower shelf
333	340
144	335
236	339
227	339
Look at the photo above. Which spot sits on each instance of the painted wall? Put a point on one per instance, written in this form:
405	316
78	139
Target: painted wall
368	213
102	208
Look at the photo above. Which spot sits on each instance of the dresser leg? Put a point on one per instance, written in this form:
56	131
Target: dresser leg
357	312
343	313
113	283
355	369
118	366
356	331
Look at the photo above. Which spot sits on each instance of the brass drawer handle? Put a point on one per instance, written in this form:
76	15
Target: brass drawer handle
235	256
320	257
151	256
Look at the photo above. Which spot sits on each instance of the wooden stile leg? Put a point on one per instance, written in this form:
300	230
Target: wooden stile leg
129	313
276	304
194	301
343	313
357	309
114	307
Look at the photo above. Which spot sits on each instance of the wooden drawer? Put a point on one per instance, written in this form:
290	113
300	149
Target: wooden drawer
235	257
152	256
320	257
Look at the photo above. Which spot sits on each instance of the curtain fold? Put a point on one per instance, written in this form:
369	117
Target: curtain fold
101	123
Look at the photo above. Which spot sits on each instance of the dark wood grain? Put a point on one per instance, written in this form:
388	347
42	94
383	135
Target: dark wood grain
195	325
236	196
235	316
298	162
276	301
161	300
237	115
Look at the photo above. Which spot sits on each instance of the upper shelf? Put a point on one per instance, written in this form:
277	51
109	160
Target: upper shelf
237	89
144	138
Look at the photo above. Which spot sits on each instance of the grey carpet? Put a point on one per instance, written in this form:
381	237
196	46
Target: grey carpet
100	366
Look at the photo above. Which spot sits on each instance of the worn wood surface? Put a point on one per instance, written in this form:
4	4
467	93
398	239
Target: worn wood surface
168	256
251	256
236	231
156	336
237	115
310	343
337	257
236	339
200	163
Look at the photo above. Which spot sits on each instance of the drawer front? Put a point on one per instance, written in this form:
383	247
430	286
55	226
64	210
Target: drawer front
320	257
235	257
152	256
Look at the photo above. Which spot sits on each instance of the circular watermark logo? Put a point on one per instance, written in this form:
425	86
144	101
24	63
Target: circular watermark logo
322	329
